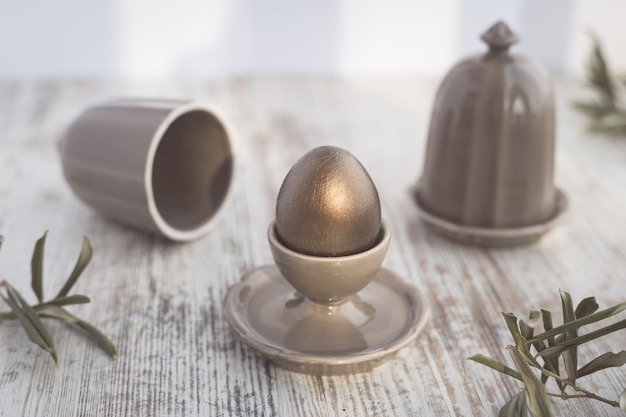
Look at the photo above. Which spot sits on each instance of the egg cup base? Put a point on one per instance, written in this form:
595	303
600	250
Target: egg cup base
492	237
302	335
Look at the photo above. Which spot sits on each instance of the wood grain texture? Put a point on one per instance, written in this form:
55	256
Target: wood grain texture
161	302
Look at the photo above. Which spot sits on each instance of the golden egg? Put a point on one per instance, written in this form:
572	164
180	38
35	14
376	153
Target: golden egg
328	205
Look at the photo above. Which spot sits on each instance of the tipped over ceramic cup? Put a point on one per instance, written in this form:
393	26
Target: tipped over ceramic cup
165	166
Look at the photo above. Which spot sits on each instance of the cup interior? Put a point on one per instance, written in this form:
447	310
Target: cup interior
192	170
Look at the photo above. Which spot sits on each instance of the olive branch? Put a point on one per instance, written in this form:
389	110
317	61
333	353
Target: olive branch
608	109
30	316
554	347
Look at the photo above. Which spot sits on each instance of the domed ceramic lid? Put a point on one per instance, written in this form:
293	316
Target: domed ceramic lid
490	155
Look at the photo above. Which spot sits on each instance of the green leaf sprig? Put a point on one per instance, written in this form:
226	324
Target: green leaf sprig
30	316
553	347
608	110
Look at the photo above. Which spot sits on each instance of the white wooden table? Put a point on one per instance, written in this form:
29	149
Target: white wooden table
161	302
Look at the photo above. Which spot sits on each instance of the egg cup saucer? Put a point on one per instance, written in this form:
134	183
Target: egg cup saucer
302	335
494	237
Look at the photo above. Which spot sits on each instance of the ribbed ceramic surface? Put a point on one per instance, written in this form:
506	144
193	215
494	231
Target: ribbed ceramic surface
490	154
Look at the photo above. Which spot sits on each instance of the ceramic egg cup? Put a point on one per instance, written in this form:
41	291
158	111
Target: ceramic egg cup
325	315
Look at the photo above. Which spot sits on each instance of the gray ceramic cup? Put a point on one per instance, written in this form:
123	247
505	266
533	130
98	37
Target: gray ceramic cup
166	166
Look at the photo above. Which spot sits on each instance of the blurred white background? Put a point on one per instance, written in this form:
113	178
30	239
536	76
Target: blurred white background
226	38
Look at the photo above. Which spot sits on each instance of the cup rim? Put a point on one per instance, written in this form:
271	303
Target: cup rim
163	226
381	245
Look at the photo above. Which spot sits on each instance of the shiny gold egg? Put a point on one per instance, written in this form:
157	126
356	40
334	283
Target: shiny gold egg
328	205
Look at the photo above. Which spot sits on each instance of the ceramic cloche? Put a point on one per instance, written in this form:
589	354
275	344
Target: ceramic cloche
488	173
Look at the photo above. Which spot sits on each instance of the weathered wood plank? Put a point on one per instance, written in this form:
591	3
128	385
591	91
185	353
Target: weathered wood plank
161	302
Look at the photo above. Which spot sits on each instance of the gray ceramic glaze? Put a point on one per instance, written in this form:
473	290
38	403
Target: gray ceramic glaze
490	155
166	166
328	279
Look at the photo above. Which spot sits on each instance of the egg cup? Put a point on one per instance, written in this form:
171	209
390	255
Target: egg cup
325	315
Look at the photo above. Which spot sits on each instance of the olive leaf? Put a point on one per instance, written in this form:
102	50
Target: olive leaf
593	108
550	363
68	300
61	301
494	364
527	328
31	323
84	258
515	407
570	355
607	360
30	316
59	313
511	323
586	307
614	123
559	347
36	266
536	390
